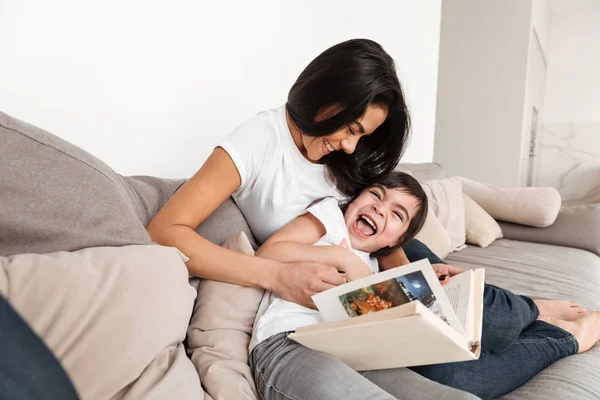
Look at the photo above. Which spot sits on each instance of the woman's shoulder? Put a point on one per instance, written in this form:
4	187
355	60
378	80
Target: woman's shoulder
265	124
261	132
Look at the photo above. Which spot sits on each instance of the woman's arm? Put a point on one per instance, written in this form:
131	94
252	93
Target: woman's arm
295	242
175	224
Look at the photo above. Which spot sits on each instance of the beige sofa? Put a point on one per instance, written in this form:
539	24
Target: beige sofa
116	313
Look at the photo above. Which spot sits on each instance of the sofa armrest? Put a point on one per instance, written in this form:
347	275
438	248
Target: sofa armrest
575	226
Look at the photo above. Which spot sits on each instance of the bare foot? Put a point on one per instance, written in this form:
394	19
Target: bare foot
561	309
586	329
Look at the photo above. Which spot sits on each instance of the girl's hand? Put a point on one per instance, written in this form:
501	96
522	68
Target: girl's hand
298	281
353	267
444	272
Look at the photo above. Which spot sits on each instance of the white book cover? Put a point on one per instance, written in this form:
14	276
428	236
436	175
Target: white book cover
399	317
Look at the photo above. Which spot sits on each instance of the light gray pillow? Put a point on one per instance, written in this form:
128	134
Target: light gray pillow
57	197
218	227
575	226
423	171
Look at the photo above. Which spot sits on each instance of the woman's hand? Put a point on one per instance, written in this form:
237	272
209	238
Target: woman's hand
444	272
298	281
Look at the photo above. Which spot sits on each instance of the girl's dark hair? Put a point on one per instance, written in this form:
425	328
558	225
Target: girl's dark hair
409	185
347	78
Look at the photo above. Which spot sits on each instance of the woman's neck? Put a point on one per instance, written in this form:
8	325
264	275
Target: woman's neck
297	138
296	134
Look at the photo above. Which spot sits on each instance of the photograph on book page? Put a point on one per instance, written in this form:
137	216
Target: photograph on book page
392	288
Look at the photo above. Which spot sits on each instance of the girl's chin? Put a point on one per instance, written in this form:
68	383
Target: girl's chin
357	242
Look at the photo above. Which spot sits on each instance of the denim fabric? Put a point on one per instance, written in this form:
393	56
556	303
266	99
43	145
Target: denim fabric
416	250
284	369
505	316
515	347
28	370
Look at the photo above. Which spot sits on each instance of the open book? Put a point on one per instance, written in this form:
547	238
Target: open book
399	318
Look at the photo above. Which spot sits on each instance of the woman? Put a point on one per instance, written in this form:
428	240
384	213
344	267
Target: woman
344	123
350	100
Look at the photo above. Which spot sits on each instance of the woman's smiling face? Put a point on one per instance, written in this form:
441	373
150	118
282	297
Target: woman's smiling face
346	138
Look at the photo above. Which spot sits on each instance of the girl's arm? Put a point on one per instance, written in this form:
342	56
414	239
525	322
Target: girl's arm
411	251
415	250
393	260
175	224
295	242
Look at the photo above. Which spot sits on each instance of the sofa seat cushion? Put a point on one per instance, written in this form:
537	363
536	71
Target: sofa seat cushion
553	272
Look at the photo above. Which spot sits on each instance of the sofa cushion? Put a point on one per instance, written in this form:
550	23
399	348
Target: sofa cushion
534	206
575	226
56	196
480	228
115	317
218	227
446	200
423	171
434	235
552	272
219	333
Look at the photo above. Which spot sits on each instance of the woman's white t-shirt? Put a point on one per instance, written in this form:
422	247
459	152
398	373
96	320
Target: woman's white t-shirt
278	183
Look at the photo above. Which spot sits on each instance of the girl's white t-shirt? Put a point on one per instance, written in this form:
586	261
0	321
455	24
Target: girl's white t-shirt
276	315
277	181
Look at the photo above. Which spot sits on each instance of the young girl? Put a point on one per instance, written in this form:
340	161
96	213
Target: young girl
374	224
388	213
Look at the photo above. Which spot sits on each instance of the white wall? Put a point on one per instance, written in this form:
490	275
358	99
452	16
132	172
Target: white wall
481	88
573	87
541	22
534	94
150	87
570	148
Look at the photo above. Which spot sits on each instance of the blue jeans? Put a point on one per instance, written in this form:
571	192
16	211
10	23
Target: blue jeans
515	346
28	370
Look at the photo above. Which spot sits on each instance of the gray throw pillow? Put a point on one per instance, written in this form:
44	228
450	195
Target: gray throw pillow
55	196
575	226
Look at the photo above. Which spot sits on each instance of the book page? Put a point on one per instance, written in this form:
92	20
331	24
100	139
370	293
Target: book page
459	292
478	289
388	289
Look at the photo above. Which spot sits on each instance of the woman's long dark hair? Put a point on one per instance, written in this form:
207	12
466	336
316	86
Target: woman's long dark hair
349	76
